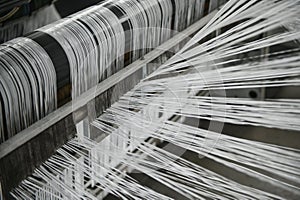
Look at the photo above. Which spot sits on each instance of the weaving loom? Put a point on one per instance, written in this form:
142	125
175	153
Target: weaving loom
94	103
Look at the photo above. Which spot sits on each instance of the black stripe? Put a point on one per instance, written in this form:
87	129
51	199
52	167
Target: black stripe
57	55
115	9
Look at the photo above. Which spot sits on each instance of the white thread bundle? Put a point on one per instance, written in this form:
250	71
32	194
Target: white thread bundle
229	43
271	73
26	70
92	53
229	110
148	92
128	125
95	42
190	183
202	141
195	181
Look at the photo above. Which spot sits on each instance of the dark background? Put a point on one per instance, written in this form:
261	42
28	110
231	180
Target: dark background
67	7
